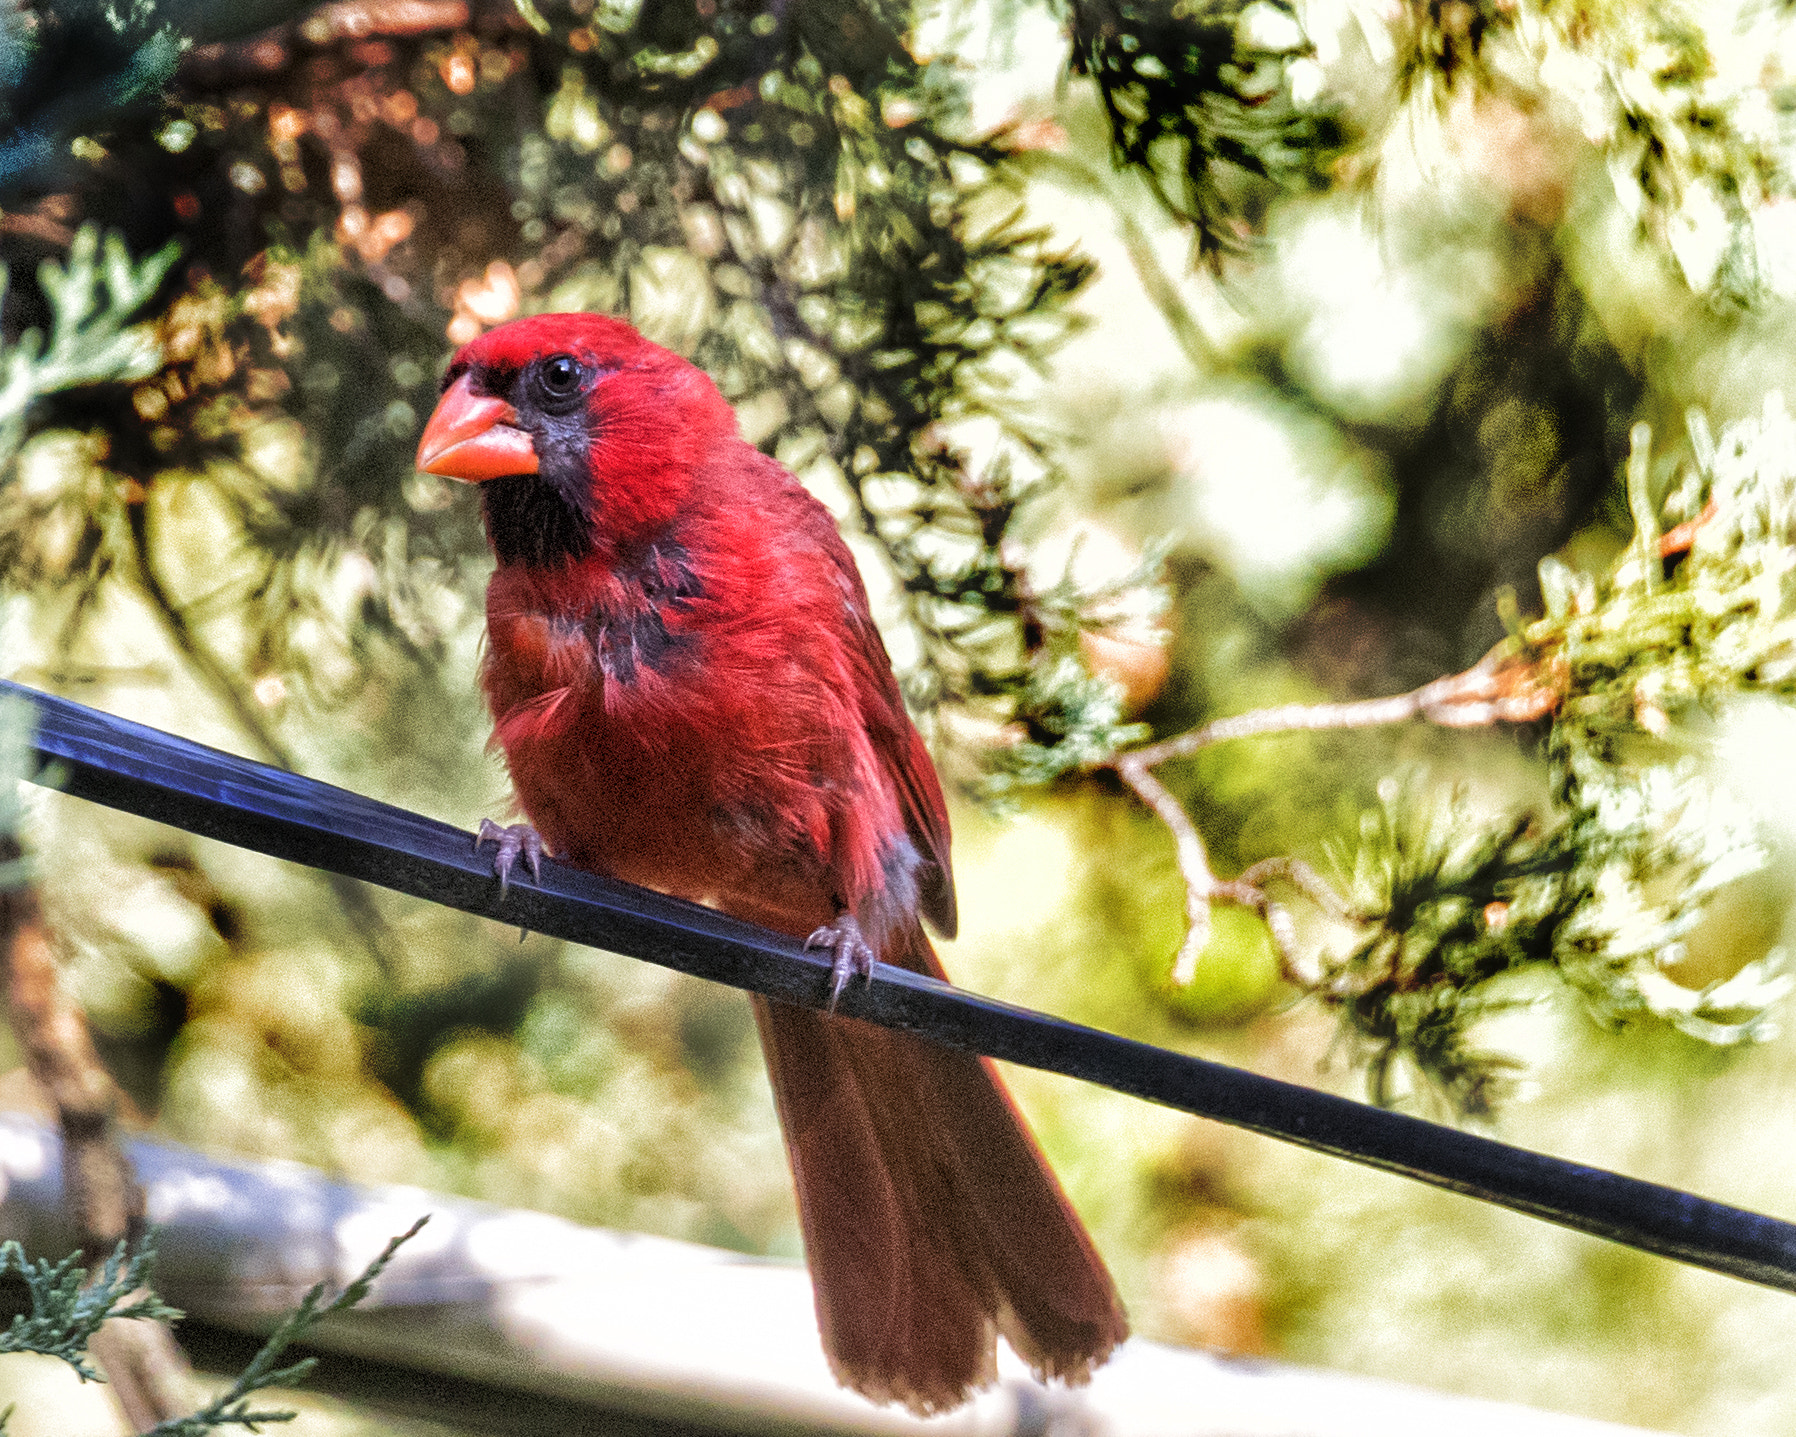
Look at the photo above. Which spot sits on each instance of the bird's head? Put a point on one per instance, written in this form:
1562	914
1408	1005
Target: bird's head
585	437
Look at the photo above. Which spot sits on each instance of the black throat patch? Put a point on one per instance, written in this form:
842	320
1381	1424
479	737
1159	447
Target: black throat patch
530	519
545	518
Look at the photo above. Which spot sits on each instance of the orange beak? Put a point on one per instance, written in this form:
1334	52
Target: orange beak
474	437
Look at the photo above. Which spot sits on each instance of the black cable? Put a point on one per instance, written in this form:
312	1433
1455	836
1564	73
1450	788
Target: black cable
145	771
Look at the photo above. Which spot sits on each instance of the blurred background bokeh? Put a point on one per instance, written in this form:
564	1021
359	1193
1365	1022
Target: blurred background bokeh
1162	361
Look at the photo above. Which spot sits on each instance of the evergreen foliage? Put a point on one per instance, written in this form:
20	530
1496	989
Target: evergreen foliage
91	339
794	197
231	1408
799	197
67	1309
1214	105
68	1306
1646	826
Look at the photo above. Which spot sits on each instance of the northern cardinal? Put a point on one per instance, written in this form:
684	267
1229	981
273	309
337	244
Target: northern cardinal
691	695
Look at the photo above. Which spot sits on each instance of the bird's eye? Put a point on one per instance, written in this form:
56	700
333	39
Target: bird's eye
560	376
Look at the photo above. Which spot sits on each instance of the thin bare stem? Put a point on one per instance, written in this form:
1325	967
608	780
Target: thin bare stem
1194	861
1502	687
1499	688
1250	890
1300	876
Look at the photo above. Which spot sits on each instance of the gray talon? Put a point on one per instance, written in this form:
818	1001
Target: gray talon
852	955
511	840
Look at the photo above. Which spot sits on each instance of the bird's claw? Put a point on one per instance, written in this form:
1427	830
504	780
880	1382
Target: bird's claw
852	955
512	839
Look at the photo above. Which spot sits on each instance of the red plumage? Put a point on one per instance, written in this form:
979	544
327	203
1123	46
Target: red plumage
691	695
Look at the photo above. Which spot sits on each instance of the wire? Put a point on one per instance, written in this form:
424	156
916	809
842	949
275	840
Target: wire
142	770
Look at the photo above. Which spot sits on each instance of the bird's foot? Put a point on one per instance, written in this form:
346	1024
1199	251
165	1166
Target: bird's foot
853	956
512	839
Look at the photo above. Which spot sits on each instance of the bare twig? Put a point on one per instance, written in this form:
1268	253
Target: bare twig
147	1371
1194	860
1502	687
1505	686
1249	889
103	1197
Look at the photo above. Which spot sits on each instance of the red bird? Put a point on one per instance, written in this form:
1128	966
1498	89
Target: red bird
686	680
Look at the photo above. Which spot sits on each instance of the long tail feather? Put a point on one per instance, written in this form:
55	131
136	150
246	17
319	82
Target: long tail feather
931	1221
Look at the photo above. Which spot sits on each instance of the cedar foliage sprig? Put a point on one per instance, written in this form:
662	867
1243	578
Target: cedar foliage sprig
231	1407
95	334
67	1308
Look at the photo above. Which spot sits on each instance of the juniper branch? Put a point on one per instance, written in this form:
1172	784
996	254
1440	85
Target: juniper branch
1502	687
91	339
231	1407
66	1309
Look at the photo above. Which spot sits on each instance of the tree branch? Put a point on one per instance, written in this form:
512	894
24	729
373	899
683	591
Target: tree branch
1516	682
1505	686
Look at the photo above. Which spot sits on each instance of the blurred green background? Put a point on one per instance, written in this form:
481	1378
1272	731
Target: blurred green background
1357	381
